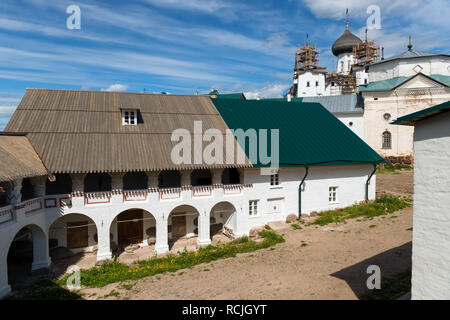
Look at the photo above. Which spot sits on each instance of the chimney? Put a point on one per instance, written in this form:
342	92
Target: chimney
289	97
382	53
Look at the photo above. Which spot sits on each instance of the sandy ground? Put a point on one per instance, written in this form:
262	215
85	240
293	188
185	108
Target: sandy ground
333	264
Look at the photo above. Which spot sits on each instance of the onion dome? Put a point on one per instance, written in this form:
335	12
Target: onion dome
346	42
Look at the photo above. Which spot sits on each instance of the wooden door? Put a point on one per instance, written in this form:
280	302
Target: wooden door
178	225
130	231
77	234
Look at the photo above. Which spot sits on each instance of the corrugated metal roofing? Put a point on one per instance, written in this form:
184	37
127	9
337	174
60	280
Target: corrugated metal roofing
389	84
234	96
409	54
308	133
411	118
82	131
346	103
19	159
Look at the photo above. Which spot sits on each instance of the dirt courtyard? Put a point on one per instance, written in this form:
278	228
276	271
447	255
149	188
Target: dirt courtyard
328	262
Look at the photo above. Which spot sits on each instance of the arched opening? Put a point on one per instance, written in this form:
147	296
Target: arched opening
133	226
27	190
27	250
169	179
387	140
201	177
222	219
97	182
182	223
230	176
62	184
135	181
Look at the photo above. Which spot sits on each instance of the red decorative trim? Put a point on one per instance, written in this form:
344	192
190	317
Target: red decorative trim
63	204
168	191
88	196
4	213
126	194
47	205
29	203
195	191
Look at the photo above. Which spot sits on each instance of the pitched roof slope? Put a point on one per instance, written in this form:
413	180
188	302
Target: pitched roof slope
18	158
410	119
82	131
308	133
345	103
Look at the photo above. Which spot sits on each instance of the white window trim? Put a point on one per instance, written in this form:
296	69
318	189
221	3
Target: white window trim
258	214
124	112
275	186
336	200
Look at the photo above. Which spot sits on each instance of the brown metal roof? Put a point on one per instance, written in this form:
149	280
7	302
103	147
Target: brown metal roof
19	159
82	131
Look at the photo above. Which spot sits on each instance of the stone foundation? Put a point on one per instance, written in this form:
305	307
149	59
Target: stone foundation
399	160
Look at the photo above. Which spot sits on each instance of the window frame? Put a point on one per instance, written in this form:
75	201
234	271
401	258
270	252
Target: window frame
253	208
274	180
333	194
132	117
386	140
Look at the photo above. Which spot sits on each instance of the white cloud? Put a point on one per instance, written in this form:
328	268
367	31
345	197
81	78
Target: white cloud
7	111
268	91
116	87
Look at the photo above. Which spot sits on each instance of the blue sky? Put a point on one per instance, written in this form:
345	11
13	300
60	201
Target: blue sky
183	46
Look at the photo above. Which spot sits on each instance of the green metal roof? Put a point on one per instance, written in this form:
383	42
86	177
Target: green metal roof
410	119
308	133
389	84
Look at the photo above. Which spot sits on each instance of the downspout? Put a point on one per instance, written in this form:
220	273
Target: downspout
368	180
300	192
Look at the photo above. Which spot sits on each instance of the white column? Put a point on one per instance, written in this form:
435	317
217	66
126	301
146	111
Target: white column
186	178
39	186
162	237
5	289
216	176
41	258
16	195
117	181
104	241
78	182
204	236
153	179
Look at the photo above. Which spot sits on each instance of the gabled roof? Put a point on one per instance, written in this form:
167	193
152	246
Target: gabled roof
78	131
408	55
345	103
412	118
308	133
391	84
18	159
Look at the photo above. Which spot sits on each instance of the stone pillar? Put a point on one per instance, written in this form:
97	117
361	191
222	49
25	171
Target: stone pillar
162	237
216	176
78	182
104	241
5	289
204	236
186	178
39	185
153	179
241	175
117	180
41	258
16	195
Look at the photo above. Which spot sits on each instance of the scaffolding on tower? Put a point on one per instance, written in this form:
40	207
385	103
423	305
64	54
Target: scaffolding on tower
365	53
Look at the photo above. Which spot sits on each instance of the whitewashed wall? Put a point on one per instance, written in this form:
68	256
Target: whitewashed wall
353	121
431	224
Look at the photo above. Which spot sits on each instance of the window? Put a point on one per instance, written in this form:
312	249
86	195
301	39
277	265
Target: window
332	84
274	179
129	118
365	81
253	208
308	84
317	83
387	116
387	140
332	194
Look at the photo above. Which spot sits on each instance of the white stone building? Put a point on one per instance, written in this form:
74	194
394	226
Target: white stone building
92	170
431	225
400	85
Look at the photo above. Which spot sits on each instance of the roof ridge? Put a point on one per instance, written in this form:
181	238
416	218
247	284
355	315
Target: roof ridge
121	92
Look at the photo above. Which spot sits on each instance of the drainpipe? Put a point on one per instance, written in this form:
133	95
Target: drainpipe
300	192
368	180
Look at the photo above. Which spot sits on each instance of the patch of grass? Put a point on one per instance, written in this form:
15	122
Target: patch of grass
393	168
296	226
381	206
113	271
113	293
128	286
372	226
391	288
47	290
304	244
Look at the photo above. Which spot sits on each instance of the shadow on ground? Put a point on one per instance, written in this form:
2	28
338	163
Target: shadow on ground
391	262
